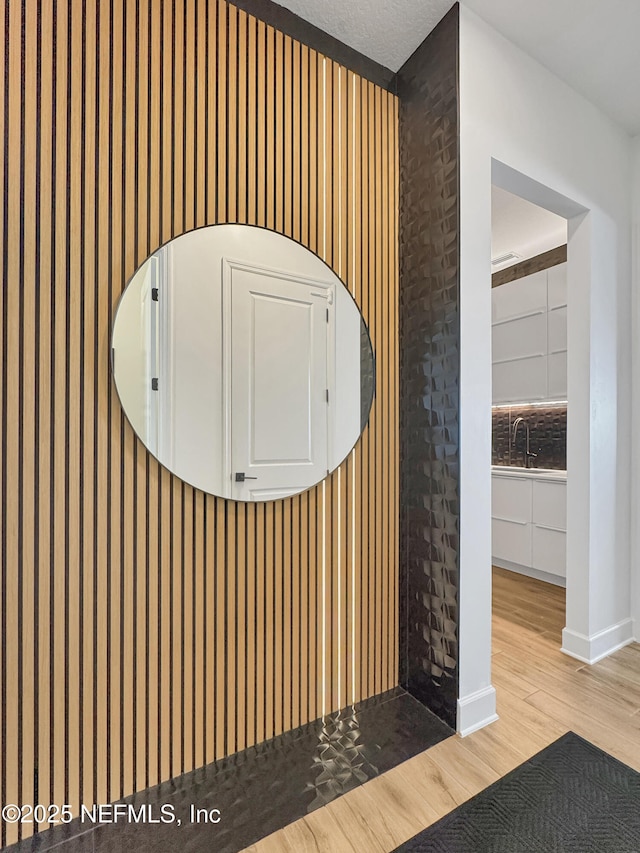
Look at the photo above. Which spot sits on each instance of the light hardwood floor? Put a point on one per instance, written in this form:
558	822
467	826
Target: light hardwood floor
541	694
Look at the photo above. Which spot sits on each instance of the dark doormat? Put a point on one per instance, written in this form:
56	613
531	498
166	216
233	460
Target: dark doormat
569	798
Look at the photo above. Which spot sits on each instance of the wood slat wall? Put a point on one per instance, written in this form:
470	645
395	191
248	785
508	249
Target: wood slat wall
148	628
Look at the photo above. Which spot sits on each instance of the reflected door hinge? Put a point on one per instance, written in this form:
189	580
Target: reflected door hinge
327	395
154	294
327	315
154	384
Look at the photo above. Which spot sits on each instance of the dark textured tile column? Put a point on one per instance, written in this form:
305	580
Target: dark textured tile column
430	369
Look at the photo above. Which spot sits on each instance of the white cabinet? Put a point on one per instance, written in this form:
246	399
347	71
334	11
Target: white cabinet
549	507
521	338
528	524
511	502
557	375
557	286
511	498
529	338
520	298
557	322
511	541
520	381
549	551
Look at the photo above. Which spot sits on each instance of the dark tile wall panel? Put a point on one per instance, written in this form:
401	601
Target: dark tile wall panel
547	436
429	370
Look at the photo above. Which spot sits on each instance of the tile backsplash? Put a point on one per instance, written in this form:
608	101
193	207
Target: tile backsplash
547	436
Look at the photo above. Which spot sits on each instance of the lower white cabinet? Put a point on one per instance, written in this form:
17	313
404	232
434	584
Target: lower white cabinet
549	507
511	498
511	540
549	551
529	520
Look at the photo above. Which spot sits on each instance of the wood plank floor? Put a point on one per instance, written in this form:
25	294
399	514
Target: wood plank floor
541	694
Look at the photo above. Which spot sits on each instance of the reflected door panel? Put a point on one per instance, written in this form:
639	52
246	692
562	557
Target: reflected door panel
278	365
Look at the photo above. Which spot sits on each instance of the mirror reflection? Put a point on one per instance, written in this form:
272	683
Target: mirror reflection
242	362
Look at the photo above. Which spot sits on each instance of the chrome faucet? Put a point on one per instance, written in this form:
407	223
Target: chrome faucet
528	456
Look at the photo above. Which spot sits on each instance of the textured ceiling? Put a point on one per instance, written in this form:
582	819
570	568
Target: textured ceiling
591	44
521	227
385	30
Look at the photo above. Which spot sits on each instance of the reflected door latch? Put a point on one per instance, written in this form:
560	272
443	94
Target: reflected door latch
241	477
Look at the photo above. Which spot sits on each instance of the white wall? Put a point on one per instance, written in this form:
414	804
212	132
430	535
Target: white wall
560	151
635	484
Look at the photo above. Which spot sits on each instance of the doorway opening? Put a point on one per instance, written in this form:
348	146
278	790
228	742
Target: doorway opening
529	419
578	271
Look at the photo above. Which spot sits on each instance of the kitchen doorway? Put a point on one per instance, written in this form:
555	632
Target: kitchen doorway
528	419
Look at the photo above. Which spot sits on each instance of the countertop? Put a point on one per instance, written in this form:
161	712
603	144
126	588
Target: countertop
530	473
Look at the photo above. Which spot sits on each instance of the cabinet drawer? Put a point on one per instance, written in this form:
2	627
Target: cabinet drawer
519	338
511	498
522	380
549	551
520	298
511	541
550	504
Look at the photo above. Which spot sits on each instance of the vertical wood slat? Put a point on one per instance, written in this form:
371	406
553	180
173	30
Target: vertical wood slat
118	458
59	621
102	485
241	621
28	438
43	248
13	566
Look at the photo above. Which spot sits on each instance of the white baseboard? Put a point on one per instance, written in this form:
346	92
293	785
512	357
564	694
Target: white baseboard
600	645
476	711
547	577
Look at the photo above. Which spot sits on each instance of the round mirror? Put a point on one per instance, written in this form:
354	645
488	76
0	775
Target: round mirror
242	362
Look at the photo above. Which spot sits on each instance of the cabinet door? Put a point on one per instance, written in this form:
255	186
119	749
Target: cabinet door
550	504
511	540
557	278
511	498
522	380
558	376
549	549
557	320
520	298
519	338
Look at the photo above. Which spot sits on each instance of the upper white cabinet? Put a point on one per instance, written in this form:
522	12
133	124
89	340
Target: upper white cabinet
511	300
557	376
522	338
557	325
529	340
521	380
557	286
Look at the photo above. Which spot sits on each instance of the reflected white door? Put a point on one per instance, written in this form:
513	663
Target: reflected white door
277	373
